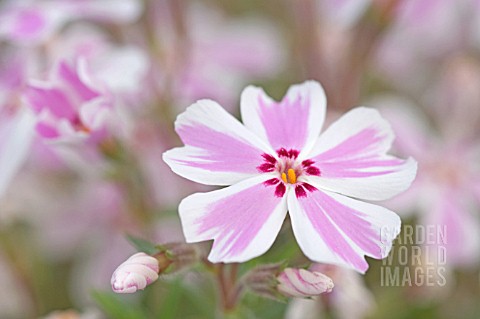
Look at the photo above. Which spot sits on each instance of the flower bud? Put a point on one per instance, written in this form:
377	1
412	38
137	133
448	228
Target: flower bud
137	272
302	283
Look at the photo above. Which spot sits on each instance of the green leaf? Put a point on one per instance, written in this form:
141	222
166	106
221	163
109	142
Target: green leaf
143	245
116	308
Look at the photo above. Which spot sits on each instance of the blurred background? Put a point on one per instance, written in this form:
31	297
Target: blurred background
69	192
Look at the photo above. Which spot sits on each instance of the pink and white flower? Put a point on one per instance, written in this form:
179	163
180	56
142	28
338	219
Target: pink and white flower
276	162
136	273
302	283
120	67
70	106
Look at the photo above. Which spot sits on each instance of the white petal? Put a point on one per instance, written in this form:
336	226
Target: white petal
243	219
16	135
218	150
335	229
351	156
124	70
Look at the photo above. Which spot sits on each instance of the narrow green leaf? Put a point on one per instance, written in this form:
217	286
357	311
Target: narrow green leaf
143	245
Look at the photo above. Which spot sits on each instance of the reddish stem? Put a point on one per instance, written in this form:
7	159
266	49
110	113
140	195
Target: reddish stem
229	290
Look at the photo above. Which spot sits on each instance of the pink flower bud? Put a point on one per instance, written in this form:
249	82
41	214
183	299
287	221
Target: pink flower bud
303	283
137	272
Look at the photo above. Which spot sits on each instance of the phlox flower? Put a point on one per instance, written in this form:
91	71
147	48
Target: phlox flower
69	106
120	67
277	161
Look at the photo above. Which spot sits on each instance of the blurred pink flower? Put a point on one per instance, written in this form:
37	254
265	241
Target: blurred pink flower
219	53
422	34
302	283
210	60
276	162
30	22
120	67
70	106
136	273
446	191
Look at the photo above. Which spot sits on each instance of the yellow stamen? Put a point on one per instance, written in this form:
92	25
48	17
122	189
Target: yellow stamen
284	177
292	178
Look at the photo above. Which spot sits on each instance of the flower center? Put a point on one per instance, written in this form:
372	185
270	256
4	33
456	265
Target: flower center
292	177
289	171
79	126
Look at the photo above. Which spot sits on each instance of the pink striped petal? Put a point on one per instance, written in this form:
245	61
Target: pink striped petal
351	156
293	123
243	219
335	229
44	95
71	78
218	150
